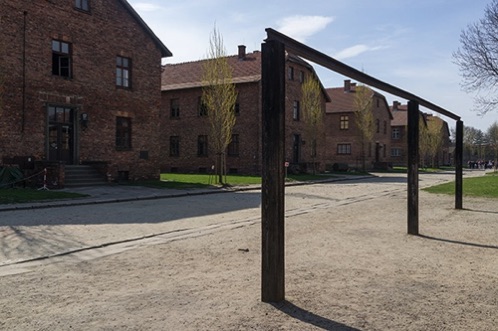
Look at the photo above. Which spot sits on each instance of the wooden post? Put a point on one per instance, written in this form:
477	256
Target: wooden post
413	163
273	185
459	165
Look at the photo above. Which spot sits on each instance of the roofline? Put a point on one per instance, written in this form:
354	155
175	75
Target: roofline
165	52
181	86
330	63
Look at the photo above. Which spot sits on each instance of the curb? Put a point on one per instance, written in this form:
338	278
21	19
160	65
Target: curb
71	203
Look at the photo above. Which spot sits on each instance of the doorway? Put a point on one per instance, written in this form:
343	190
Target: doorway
60	134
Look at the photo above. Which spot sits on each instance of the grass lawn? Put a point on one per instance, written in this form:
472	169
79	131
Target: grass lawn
485	186
186	181
20	195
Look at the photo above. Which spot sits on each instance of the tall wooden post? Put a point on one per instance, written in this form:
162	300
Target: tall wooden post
459	165
273	185
413	163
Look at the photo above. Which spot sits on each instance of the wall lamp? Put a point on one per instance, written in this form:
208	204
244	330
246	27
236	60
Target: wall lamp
84	120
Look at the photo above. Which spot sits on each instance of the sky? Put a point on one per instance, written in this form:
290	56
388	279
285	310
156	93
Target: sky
404	43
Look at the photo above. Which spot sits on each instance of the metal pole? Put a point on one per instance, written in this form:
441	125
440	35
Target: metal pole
273	184
413	163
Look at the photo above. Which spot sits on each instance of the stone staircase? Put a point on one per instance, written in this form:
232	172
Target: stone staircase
83	175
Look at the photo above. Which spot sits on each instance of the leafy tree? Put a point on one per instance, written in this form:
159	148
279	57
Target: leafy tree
364	118
219	97
312	113
492	137
478	58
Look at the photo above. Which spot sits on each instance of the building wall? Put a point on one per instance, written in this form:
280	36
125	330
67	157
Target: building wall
401	145
381	139
189	125
96	38
301	151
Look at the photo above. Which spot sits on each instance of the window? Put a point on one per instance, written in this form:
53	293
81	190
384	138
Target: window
344	149
202	108
395	133
174	146
295	111
236	109
123	66
202	145
175	107
296	148
61	58
377	125
82	4
395	152
301	76
384	153
290	73
233	147
344	123
123	133
385	127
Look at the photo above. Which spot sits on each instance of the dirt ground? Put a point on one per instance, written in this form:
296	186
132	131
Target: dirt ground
349	266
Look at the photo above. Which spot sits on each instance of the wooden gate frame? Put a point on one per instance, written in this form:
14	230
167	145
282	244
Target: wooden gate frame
273	157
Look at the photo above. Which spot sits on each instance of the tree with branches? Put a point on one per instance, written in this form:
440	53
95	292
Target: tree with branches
364	118
313	113
219	97
435	139
492	135
478	58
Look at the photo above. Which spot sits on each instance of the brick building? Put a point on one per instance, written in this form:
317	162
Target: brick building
399	144
342	135
185	126
81	84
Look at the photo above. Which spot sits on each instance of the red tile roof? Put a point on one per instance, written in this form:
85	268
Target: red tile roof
189	74
400	117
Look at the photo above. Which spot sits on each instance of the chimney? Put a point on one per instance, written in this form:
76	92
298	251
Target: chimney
396	104
347	85
242	52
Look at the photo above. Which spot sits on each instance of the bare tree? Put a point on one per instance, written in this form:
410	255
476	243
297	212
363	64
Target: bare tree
478	58
219	97
435	139
492	135
470	137
364	118
424	141
312	113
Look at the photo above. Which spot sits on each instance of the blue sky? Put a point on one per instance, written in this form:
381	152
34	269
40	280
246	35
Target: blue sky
402	42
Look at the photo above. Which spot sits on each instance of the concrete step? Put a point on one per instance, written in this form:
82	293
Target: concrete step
83	175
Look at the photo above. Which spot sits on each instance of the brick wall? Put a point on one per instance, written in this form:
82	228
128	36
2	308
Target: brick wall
96	38
188	126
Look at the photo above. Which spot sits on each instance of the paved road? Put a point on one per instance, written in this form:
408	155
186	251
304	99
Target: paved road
88	231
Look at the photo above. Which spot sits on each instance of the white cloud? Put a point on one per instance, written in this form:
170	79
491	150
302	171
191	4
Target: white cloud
146	7
355	51
301	27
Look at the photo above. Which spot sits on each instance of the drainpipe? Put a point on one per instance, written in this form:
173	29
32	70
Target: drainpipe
23	120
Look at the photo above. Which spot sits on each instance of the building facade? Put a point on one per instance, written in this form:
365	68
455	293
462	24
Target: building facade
185	125
427	122
343	137
81	84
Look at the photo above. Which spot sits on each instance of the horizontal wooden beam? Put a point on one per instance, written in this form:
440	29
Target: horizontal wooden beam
328	62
